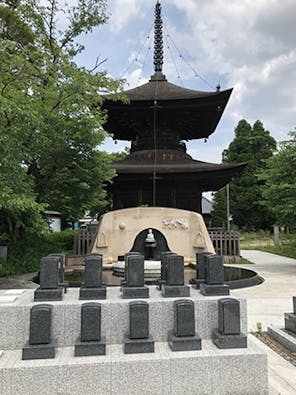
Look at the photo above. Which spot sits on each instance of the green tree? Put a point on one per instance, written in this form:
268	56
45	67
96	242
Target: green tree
279	177
51	121
251	145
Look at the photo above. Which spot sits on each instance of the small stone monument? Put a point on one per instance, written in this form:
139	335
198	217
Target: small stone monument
61	267
228	334
163	267
134	274
62	261
150	244
214	284
183	337
49	289
93	287
290	318
138	340
123	282
39	345
174	286
91	342
200	269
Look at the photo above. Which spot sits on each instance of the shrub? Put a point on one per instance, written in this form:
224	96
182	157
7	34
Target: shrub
26	257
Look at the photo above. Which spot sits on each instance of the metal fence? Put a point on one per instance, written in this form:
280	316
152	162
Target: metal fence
83	241
225	243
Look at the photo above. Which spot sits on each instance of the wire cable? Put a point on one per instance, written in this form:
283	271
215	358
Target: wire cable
137	54
196	74
173	60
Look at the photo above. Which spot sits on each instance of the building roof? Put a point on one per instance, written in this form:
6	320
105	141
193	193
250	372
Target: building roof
187	113
161	89
175	164
206	205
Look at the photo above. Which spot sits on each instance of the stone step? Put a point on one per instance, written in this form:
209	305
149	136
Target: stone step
115	317
207	371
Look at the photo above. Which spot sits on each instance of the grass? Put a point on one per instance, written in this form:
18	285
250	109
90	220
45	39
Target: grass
244	261
263	241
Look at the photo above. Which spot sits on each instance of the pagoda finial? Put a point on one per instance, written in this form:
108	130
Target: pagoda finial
158	41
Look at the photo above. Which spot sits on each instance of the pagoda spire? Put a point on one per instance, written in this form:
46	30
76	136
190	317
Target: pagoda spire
158	43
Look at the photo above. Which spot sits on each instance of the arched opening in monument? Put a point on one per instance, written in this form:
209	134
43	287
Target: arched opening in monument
150	252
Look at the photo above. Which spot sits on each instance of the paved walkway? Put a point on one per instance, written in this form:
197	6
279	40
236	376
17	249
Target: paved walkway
267	304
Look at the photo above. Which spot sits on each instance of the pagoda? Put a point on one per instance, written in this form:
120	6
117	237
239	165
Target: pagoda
158	119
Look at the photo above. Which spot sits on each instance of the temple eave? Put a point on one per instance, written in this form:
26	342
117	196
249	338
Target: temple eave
180	169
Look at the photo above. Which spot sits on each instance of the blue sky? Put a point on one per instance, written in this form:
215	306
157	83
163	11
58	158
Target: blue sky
245	44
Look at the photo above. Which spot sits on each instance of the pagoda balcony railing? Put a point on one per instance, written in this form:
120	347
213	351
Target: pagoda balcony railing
143	145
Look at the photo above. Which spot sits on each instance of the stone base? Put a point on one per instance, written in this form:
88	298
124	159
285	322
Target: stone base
160	283
207	371
175	291
290	322
92	293
85	349
214	290
186	343
38	351
135	292
229	341
196	282
138	346
42	295
287	339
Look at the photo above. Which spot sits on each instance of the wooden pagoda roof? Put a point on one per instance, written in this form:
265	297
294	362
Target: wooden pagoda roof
188	113
141	164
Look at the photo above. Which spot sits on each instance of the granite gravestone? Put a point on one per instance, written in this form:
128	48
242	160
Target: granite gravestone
49	289
91	342
138	340
135	283
39	345
214	284
131	253
200	269
174	286
290	318
183	337
62	261
228	334
163	267
93	287
61	266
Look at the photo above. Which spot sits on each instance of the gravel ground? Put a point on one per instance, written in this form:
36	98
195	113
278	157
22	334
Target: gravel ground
276	346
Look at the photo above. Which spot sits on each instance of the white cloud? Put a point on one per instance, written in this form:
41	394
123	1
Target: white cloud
246	44
123	11
135	78
252	45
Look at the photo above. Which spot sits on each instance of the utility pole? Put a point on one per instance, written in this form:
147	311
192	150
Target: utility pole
227	208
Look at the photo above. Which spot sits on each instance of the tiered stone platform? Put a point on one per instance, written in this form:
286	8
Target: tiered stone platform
208	371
